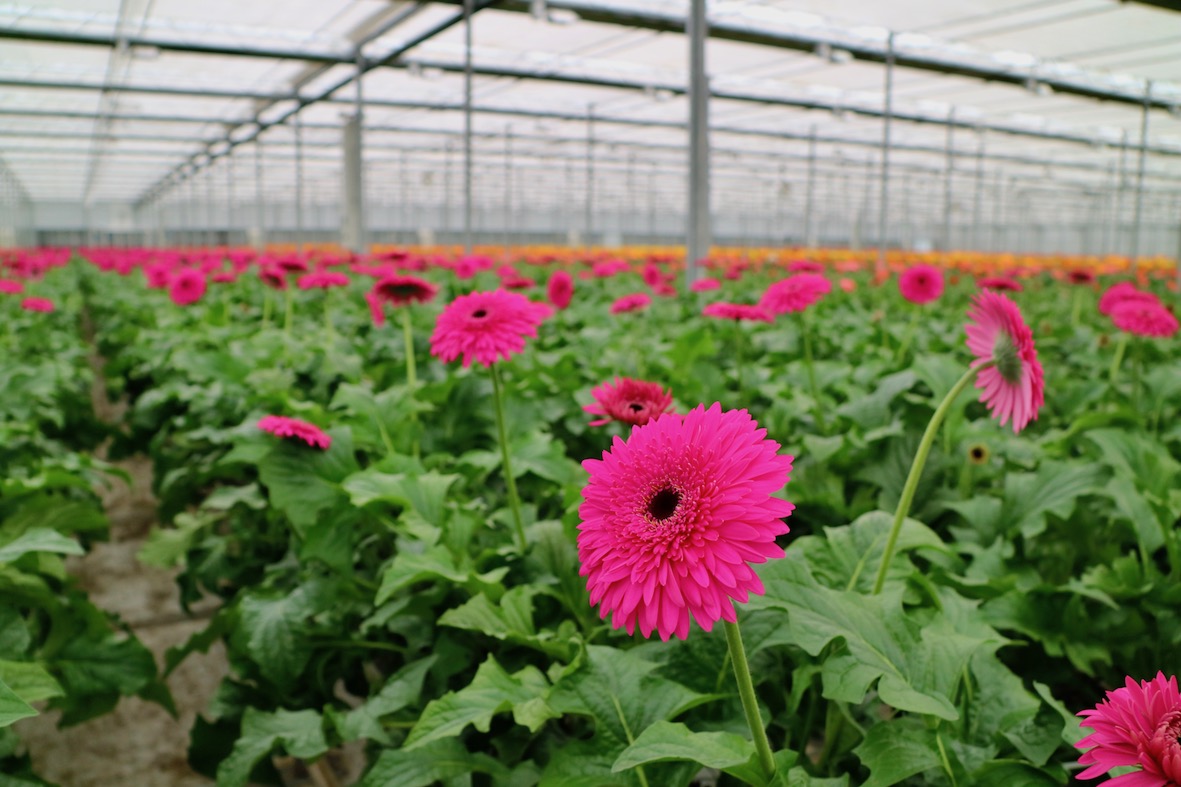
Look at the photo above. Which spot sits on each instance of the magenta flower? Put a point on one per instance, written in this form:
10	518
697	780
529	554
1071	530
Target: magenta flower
637	301
1137	725
737	311
999	283
486	327
295	429
673	518
10	287
921	283
322	280
187	287
1144	318
37	305
560	289
629	401
795	293
705	285
1013	387
1121	293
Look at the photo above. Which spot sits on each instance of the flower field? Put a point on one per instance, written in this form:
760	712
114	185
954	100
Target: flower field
545	517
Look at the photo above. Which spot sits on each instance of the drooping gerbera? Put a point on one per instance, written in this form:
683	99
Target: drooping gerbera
673	517
295	429
1013	385
737	311
629	401
560	289
486	326
186	287
37	305
1120	293
921	283
705	285
795	293
635	302
1144	318
1137	725
999	283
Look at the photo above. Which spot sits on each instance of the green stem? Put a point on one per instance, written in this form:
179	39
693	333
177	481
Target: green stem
1077	312
630	738
289	311
911	330
818	410
746	691
916	471
1120	348
266	307
411	375
513	500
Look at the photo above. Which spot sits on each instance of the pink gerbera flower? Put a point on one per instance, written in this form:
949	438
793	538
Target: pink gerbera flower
737	311
1144	318
295	429
921	283
847	285
1120	293
1080	276
322	280
705	285
486	326
560	289
186	287
404	290
11	287
805	266
629	401
273	276
1012	384
37	305
999	283
673	517
1137	725
795	293
635	302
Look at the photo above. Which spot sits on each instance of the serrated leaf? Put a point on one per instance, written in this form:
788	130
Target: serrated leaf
272	630
441	761
39	540
409	568
424	493
12	707
665	740
855	550
1052	489
29	680
303	481
511	620
896	750
491	691
403	689
300	733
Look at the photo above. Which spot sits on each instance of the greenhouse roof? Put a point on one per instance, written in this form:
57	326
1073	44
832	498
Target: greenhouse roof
111	100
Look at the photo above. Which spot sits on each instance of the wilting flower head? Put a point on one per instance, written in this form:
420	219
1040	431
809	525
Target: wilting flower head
1121	293
1013	386
921	283
737	311
10	287
999	283
322	280
629	401
1137	725
187	287
631	303
37	305
486	326
1144	318
673	517
295	429
560	289
795	293
705	285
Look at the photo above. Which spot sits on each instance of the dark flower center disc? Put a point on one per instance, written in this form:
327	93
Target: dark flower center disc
664	504
635	407
479	314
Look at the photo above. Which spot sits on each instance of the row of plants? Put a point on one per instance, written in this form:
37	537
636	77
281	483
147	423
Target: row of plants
379	467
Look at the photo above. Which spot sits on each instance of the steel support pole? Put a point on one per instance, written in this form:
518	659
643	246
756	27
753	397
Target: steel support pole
699	230
947	172
259	240
1110	237
229	160
353	225
809	197
298	128
508	185
978	203
467	126
1119	194
589	207
447	189
1138	213
883	208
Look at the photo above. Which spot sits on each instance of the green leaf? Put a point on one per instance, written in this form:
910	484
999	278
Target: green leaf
30	680
1012	773
855	550
403	689
425	493
441	761
300	733
39	540
272	629
1133	508
666	740
409	568
511	621
1053	489
303	481
12	707
492	691
896	750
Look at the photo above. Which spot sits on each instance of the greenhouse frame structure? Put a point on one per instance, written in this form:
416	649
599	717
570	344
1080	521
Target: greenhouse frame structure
1000	126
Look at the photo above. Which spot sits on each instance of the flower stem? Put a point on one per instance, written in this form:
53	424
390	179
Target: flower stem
916	472
818	410
412	377
1120	348
746	691
513	500
1077	312
289	311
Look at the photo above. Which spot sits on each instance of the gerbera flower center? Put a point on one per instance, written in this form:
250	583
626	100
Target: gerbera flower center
1008	361
635	407
664	504
480	314
1164	748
